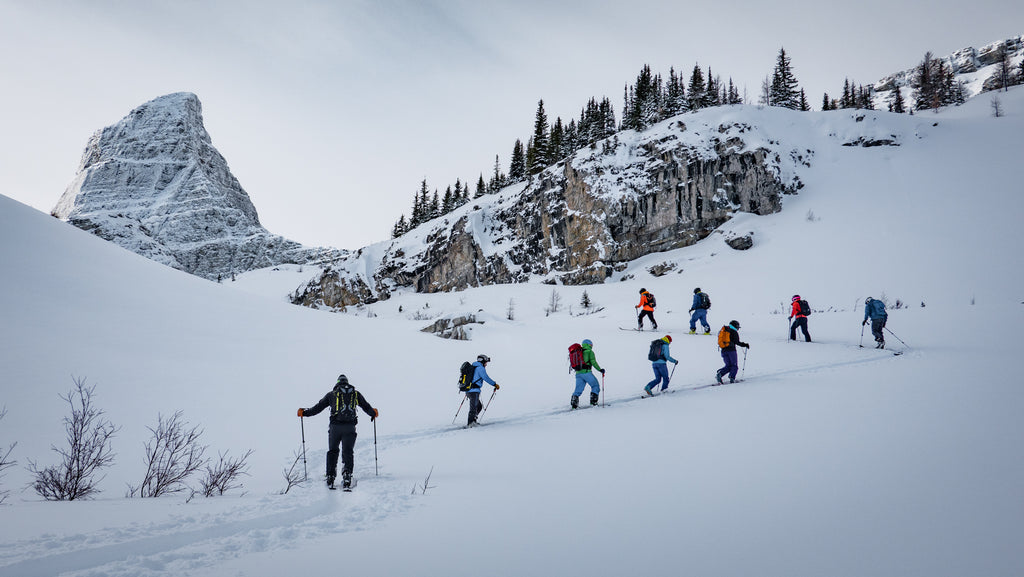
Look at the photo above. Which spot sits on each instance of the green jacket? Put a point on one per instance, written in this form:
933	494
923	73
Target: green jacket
589	360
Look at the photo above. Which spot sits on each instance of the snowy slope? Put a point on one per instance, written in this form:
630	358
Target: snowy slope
828	459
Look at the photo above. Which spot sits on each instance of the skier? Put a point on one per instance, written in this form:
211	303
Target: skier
875	310
699	308
801	320
647	310
659	362
342	400
479	376
728	340
585	376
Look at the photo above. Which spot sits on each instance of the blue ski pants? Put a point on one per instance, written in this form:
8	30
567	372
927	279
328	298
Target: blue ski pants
584	379
660	376
732	365
702	316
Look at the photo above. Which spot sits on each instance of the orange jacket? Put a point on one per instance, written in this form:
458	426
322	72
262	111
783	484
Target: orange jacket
644	303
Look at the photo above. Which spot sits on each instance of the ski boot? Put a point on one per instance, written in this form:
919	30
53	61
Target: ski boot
707	331
574	402
693	331
648	392
718	377
330	481
593	399
346	480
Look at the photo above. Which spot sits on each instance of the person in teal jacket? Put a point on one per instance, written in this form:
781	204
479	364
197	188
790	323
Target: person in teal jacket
875	310
660	366
585	376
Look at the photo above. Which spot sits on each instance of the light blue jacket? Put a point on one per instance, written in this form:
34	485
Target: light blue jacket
480	376
665	356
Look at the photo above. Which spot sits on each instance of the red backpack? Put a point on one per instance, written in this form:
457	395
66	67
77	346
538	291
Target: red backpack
576	357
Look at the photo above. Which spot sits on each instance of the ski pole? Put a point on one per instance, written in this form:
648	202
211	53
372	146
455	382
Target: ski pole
460	408
897	338
744	371
376	468
305	473
478	417
862	335
602	389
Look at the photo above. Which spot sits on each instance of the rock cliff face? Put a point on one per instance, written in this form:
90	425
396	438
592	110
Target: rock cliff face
154	184
631	195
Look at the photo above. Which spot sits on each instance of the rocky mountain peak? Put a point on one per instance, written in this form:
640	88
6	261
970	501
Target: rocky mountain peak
154	184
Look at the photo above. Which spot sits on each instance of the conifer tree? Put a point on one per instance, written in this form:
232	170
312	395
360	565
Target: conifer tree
481	187
733	94
711	90
804	106
400	228
784	86
556	142
927	86
675	94
825	103
896	103
539	140
517	167
448	202
695	98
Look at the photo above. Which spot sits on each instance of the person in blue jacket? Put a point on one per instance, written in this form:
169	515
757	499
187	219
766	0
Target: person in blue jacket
700	313
660	366
480	376
875	310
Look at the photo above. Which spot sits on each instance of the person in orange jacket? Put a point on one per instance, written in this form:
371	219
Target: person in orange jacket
647	310
342	400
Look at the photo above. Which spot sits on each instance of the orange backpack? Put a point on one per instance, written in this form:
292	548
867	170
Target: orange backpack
724	338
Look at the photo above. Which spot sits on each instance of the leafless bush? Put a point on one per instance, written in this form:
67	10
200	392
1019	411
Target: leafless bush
426	484
223	476
88	450
293	476
173	454
554	303
5	459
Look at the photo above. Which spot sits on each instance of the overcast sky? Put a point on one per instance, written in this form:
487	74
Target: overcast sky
330	113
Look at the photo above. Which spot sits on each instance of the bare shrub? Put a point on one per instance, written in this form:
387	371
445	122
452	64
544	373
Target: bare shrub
88	451
173	454
292	475
554	303
5	459
223	476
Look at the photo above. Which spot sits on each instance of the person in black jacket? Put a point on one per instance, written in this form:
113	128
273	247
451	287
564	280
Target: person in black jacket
342	400
728	340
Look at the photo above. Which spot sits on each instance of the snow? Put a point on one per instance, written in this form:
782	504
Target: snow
828	459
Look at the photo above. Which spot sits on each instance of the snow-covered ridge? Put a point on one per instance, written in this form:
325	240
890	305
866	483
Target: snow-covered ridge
583	219
154	184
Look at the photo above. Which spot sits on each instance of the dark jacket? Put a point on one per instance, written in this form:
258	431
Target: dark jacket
340	398
734	339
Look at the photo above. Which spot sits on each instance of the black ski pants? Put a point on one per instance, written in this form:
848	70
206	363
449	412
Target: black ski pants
648	314
802	323
876	329
343	434
474	406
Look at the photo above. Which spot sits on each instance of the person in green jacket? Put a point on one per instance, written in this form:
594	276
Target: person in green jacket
585	376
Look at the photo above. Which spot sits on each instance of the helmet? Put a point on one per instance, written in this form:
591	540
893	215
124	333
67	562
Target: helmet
735	324
483	358
342	380
667	338
643	290
696	290
587	343
796	297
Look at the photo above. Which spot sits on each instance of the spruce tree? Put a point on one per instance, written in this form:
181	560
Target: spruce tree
695	98
784	88
517	167
711	91
675	94
897	104
926	84
556	142
825	103
804	106
400	228
481	187
448	202
540	140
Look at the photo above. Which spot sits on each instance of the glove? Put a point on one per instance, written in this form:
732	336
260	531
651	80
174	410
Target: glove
746	345
602	371
864	323
675	362
301	411
690	311
376	414
496	386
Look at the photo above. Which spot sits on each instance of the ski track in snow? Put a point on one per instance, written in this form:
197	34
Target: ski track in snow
162	548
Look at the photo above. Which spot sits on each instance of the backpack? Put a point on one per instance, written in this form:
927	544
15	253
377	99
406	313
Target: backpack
655	354
805	309
705	301
345	401
576	357
651	302
466	373
724	338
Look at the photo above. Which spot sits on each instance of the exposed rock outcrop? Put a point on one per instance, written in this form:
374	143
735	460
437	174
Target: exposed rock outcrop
574	223
154	184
